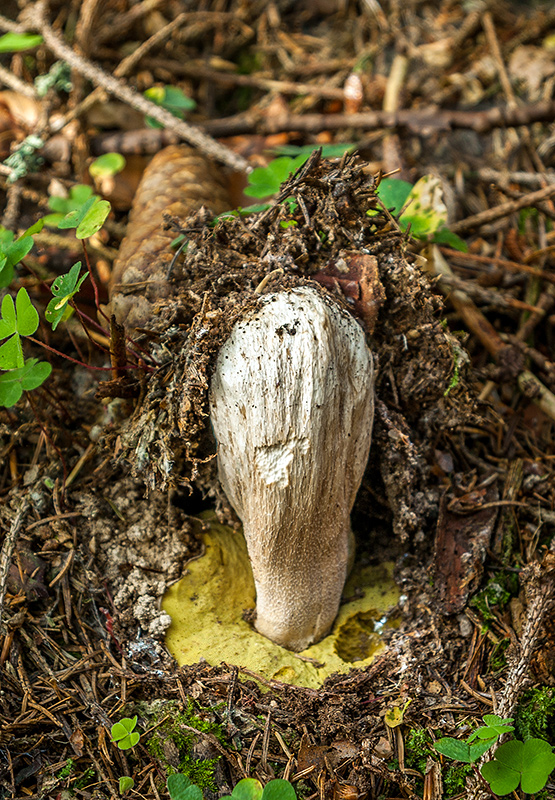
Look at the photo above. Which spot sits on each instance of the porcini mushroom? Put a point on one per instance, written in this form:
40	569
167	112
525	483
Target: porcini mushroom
291	405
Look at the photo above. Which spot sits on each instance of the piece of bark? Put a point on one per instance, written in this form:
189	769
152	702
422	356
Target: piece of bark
460	547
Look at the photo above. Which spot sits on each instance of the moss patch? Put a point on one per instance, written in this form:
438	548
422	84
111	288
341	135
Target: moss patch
207	606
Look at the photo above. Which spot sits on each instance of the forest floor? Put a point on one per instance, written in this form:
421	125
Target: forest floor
102	480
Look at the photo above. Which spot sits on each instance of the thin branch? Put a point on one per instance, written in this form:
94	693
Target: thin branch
503	210
15	83
35	19
421	121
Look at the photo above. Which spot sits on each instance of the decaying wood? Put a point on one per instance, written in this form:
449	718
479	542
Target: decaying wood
292	409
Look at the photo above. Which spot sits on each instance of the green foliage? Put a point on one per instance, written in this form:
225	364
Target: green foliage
106	165
493	594
24	158
266	181
124	733
17	320
16	381
251	789
181	788
11	252
425	211
78	195
82	210
88	219
454	779
125	784
172	99
418	748
470	751
58	78
66	770
535	715
528	763
14	42
200	772
64	288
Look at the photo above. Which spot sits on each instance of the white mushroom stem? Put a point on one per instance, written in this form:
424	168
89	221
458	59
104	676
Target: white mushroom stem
292	410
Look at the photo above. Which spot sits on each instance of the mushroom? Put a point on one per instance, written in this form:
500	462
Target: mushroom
291	404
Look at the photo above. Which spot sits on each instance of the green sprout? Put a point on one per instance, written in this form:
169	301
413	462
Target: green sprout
64	288
124	733
172	99
12	251
125	784
78	194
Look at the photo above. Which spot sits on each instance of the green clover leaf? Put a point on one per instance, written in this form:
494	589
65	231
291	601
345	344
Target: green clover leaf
181	788
78	195
246	789
17	320
24	379
125	783
11	252
124	733
494	728
462	751
63	289
529	763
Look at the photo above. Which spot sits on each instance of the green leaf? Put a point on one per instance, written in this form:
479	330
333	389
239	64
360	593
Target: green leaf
125	783
106	165
172	99
454	748
123	733
278	789
445	236
93	220
427	212
265	181
63	289
529	763
247	789
393	193
328	150
14	42
495	726
26	378
27	315
7	321
75	217
11	353
478	749
181	788
78	195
